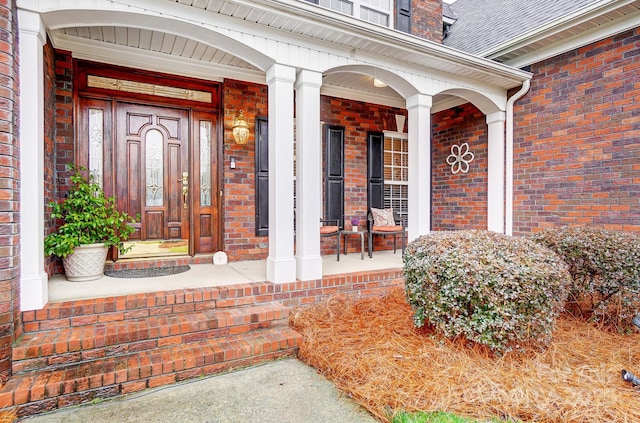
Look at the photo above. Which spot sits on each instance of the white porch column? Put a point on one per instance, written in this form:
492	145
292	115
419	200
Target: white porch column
281	265
495	164
308	197
34	291
419	125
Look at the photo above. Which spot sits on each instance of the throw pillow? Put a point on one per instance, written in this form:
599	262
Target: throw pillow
382	217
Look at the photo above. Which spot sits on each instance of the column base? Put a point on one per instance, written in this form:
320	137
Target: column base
309	268
34	292
281	270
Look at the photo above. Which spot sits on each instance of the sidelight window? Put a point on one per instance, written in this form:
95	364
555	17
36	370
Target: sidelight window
96	141
205	163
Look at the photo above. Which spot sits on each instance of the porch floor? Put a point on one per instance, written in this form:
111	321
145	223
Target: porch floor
210	275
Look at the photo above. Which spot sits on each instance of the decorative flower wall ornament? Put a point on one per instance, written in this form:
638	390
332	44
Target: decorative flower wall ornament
460	158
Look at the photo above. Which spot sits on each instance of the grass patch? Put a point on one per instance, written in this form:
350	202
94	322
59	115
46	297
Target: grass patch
434	417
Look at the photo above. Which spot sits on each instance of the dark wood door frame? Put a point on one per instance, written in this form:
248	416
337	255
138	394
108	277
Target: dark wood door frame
211	238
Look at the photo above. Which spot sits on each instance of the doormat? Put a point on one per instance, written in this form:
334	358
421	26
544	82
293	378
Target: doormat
151	272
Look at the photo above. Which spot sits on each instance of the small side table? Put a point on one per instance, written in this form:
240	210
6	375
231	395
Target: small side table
350	232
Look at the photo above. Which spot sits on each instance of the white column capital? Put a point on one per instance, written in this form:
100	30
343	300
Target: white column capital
31	23
496	117
281	73
419	100
308	78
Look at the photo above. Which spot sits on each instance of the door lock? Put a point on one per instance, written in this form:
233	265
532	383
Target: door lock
185	178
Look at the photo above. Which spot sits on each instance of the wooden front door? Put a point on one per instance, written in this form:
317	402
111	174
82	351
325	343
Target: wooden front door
152	177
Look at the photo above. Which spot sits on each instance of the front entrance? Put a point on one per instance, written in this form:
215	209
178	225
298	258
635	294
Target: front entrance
152	176
160	162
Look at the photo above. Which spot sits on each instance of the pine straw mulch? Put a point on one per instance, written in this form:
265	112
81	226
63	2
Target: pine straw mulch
8	416
371	351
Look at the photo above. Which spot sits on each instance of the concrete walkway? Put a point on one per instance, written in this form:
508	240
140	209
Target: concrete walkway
284	391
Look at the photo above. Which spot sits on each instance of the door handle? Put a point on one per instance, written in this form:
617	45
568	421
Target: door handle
185	193
185	188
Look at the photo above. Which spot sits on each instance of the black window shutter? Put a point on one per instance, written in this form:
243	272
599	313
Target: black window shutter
375	169
403	15
262	177
334	174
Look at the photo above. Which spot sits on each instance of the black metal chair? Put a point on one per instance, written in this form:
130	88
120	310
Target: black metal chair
395	230
330	228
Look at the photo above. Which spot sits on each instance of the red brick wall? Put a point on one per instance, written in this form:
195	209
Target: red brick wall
240	242
459	201
576	139
357	118
49	141
58	135
426	20
10	323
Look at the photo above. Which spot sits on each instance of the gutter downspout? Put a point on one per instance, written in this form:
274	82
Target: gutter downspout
509	153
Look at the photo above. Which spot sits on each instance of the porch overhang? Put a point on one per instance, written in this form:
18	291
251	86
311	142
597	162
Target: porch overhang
297	30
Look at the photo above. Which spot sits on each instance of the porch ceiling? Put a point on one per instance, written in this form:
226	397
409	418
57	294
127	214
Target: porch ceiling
294	20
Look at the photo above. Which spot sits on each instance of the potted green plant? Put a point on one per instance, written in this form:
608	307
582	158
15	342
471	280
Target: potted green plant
90	224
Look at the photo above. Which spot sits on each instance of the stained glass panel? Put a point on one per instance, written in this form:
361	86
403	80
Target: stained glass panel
205	163
154	168
96	140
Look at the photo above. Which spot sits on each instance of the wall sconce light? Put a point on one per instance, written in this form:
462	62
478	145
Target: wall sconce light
378	83
240	129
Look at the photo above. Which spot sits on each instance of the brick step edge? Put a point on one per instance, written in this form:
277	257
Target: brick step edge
108	309
41	350
39	391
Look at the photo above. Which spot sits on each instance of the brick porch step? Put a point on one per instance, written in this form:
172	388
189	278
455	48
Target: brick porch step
109	309
53	348
38	391
76	351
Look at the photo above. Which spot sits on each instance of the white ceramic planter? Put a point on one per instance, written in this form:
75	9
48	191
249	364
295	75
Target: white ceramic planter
86	263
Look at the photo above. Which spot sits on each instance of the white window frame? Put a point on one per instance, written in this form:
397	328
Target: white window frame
357	6
403	213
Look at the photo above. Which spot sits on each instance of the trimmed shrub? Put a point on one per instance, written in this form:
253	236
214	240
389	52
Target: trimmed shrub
605	267
493	289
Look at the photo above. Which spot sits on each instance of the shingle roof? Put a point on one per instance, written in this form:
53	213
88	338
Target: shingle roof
482	24
447	11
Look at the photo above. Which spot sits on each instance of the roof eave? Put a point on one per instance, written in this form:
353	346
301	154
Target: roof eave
554	27
305	10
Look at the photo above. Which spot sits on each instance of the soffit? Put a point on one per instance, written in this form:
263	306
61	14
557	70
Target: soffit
294	20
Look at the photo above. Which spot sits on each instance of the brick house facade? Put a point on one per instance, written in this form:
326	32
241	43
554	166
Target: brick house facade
575	136
577	139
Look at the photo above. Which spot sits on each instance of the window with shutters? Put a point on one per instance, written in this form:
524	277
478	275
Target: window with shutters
374	11
403	15
334	174
396	173
262	177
